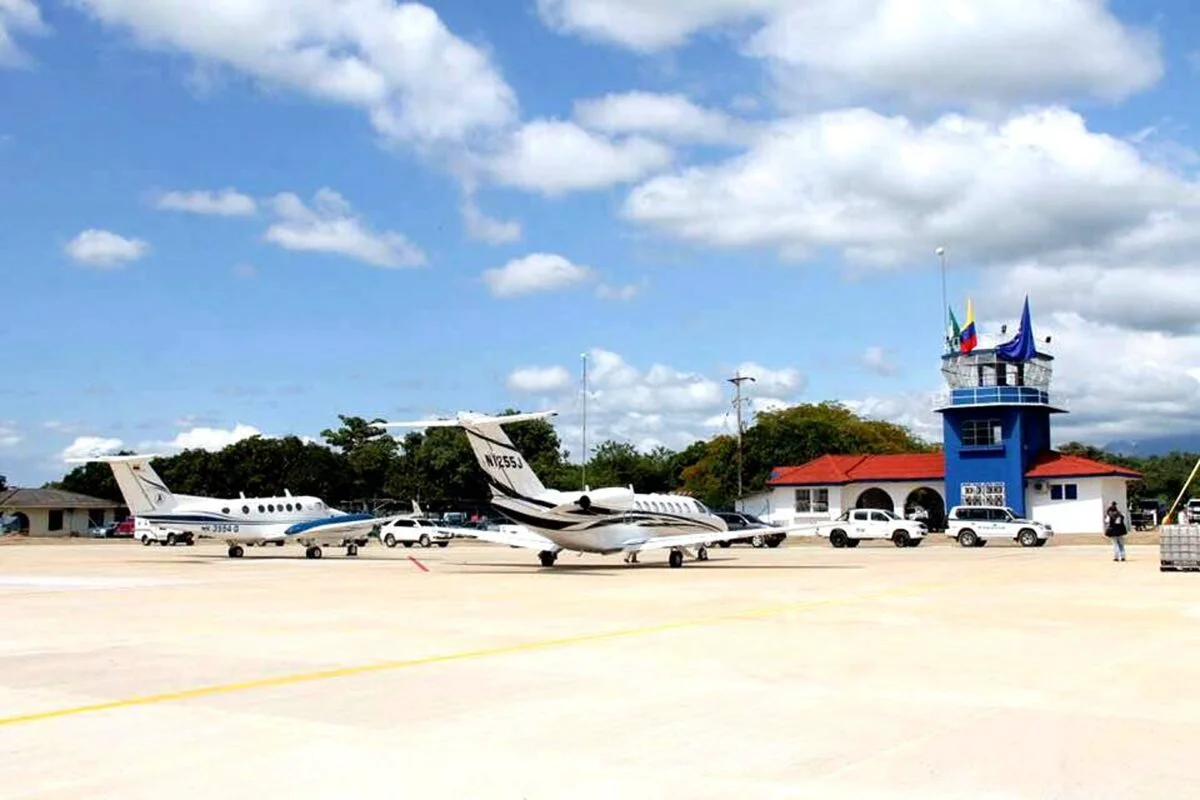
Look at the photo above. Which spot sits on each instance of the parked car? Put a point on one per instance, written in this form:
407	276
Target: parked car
148	535
124	528
856	524
972	526
408	531
739	521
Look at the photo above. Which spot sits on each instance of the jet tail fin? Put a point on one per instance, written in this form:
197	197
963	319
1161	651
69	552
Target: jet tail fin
144	491
509	474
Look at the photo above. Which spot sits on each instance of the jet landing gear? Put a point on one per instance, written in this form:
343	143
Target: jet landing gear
313	551
236	551
631	557
351	549
676	558
547	557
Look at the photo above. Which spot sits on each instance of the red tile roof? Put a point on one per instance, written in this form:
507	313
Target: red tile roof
835	470
1057	465
839	469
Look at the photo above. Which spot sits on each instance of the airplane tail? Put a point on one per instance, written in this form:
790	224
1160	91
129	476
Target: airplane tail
142	488
509	474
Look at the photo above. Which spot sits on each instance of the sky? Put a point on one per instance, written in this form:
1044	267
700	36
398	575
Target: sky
252	218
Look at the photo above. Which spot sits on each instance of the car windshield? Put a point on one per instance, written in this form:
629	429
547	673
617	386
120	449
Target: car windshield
754	519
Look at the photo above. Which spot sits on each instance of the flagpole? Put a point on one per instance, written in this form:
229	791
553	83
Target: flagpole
941	254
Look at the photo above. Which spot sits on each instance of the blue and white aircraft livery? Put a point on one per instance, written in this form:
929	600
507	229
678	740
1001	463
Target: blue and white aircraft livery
607	520
244	520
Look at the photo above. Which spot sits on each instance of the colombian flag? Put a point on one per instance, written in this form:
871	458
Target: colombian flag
968	339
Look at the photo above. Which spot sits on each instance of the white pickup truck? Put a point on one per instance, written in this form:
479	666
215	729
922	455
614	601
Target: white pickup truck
857	524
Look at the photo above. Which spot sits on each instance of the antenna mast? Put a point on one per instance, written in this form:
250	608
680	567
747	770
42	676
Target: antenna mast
737	381
584	461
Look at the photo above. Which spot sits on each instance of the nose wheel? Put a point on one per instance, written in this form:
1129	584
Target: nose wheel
702	553
675	559
236	551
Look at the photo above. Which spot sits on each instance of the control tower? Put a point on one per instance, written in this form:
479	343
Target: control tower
995	418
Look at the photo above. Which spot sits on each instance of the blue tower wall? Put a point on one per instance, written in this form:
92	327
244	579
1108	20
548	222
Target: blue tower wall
1025	432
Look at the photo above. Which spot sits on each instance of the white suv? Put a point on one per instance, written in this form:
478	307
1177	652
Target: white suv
408	531
972	526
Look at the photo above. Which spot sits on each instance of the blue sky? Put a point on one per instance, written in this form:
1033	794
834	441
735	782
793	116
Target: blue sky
284	211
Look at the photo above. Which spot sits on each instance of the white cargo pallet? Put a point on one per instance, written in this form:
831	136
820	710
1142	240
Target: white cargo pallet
1179	548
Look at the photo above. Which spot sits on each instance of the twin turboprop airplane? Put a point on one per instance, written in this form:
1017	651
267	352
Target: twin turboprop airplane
240	521
607	520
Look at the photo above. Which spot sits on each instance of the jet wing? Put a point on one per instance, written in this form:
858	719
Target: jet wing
345	525
525	538
682	540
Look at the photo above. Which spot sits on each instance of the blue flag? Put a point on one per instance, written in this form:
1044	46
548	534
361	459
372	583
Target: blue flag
1021	347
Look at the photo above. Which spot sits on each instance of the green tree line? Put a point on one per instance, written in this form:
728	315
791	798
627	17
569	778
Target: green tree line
361	466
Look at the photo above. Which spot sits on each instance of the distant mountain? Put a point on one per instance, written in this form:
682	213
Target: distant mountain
1156	445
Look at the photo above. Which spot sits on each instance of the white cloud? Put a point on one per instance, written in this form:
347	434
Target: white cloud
658	405
226	203
555	157
648	25
623	292
934	51
211	439
9	435
913	410
18	16
85	447
1002	51
398	62
876	360
330	226
772	382
663	116
539	379
481	226
99	248
536	272
885	191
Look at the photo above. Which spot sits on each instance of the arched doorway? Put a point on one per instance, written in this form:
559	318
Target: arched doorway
875	498
933	504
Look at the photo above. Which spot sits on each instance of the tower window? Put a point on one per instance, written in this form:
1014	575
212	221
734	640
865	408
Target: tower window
981	432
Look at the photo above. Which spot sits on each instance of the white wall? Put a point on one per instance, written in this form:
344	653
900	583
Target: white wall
779	504
1085	514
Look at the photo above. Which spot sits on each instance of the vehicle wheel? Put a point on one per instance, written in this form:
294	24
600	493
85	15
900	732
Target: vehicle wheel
352	550
236	551
838	538
702	554
757	540
443	544
424	540
170	540
723	544
1028	538
914	542
852	542
145	540
547	557
675	559
901	539
407	544
774	541
967	538
389	539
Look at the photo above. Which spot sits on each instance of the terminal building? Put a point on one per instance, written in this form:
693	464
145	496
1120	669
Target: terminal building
996	451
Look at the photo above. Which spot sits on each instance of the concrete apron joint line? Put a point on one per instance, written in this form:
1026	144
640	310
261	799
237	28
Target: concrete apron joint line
466	655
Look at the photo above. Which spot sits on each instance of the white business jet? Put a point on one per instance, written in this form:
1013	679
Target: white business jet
608	520
240	521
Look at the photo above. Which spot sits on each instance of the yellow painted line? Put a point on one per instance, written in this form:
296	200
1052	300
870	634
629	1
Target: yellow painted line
465	655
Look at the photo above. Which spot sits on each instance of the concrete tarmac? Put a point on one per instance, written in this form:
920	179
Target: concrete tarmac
147	672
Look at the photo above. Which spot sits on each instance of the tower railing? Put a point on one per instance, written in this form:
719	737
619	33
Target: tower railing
984	395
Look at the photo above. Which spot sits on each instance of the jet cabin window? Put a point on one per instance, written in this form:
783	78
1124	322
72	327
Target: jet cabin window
245	509
261	509
224	510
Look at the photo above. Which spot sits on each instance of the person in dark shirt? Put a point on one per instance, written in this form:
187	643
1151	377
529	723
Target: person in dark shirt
1114	528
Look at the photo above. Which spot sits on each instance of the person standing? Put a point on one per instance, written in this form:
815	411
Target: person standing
1114	528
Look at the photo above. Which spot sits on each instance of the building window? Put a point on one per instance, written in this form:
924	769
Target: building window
56	520
1061	491
982	494
981	432
812	501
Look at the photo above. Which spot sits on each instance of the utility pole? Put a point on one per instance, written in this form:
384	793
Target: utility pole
737	381
583	480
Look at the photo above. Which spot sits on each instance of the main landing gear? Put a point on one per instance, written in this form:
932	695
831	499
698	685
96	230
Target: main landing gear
547	557
313	551
236	551
351	549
